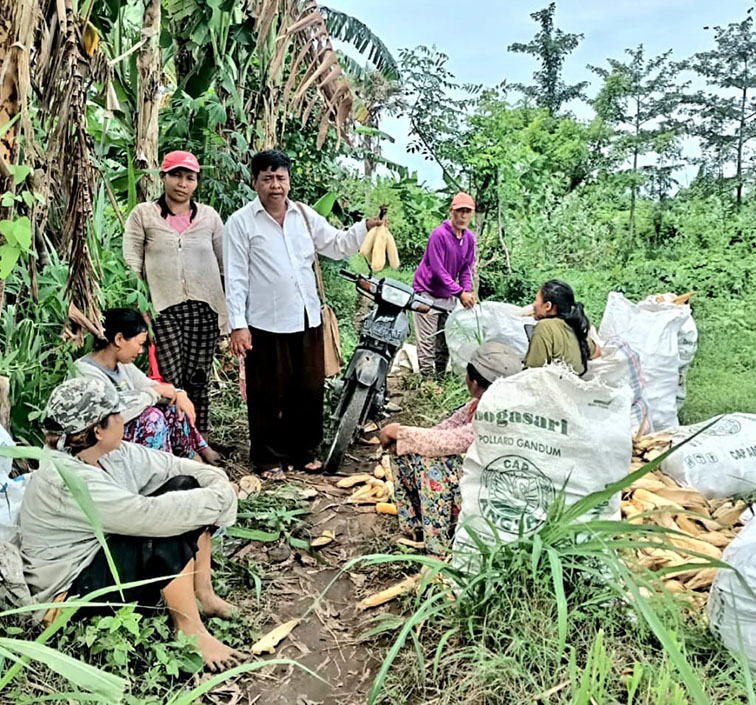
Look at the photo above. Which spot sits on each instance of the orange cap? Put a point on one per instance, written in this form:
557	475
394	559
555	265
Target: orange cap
462	200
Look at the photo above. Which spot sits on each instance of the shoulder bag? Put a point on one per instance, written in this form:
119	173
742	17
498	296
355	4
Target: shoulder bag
331	339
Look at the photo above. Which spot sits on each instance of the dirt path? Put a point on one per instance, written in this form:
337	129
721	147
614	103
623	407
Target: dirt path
327	641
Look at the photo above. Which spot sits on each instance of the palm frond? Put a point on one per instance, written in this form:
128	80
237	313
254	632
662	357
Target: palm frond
349	29
295	31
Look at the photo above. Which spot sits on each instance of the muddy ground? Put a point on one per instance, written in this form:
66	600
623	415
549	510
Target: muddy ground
299	582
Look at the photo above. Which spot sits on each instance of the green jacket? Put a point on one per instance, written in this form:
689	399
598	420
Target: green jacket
553	339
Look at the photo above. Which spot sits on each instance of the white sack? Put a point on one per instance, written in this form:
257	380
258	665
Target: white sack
536	433
721	461
466	329
11	494
619	365
687	340
651	330
730	607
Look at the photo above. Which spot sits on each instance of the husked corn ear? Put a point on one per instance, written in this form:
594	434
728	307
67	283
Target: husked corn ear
386	508
353	480
391	593
269	642
367	244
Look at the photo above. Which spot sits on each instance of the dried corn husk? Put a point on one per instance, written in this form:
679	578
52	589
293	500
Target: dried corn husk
323	540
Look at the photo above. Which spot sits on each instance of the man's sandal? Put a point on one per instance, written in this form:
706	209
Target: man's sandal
275	474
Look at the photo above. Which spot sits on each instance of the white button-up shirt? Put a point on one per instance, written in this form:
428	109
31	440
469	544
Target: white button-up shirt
270	282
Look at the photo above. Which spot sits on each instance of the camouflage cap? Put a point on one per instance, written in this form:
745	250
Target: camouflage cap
80	403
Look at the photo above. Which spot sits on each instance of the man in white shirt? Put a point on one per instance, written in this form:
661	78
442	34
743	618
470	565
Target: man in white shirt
274	314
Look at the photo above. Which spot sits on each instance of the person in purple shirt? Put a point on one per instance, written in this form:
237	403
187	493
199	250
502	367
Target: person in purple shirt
445	275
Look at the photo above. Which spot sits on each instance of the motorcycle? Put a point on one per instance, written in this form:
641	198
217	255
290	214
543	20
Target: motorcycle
363	390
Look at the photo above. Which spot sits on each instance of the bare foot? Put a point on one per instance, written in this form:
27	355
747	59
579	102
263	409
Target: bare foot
214	606
215	654
210	456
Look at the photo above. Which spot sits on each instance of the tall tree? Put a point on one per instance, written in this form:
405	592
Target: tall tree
550	47
435	105
150	69
725	114
639	98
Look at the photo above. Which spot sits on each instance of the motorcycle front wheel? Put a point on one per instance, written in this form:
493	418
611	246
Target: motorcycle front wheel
347	428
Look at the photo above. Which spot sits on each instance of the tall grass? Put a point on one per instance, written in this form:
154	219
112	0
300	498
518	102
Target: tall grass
564	615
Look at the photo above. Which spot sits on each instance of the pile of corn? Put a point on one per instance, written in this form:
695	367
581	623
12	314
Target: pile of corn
377	489
707	525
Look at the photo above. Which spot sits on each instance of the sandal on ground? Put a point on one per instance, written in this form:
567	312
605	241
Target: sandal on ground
312	466
275	474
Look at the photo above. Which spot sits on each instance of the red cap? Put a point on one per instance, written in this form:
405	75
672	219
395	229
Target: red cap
462	200
180	160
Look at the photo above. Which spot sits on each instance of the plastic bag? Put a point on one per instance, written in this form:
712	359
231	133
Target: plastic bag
731	607
687	341
466	329
11	494
619	365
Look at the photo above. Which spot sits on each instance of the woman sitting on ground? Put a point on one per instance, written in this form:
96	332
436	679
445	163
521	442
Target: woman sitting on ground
426	489
157	415
562	330
156	510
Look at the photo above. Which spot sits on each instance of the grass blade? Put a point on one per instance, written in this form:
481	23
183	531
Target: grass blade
558	577
83	675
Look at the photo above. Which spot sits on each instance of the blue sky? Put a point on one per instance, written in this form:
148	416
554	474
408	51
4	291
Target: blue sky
475	35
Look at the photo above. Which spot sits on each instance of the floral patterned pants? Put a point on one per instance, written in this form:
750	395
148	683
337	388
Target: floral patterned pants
160	428
427	498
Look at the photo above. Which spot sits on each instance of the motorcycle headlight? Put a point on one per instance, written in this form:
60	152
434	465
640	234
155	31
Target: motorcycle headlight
394	296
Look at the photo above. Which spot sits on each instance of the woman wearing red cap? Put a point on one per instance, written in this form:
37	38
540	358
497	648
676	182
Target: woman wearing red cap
444	274
175	245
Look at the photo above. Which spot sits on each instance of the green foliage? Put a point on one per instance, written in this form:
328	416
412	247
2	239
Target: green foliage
32	353
349	29
723	114
140	648
556	612
413	211
550	47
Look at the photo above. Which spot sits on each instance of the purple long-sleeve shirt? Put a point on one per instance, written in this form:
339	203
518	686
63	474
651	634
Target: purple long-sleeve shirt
446	267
